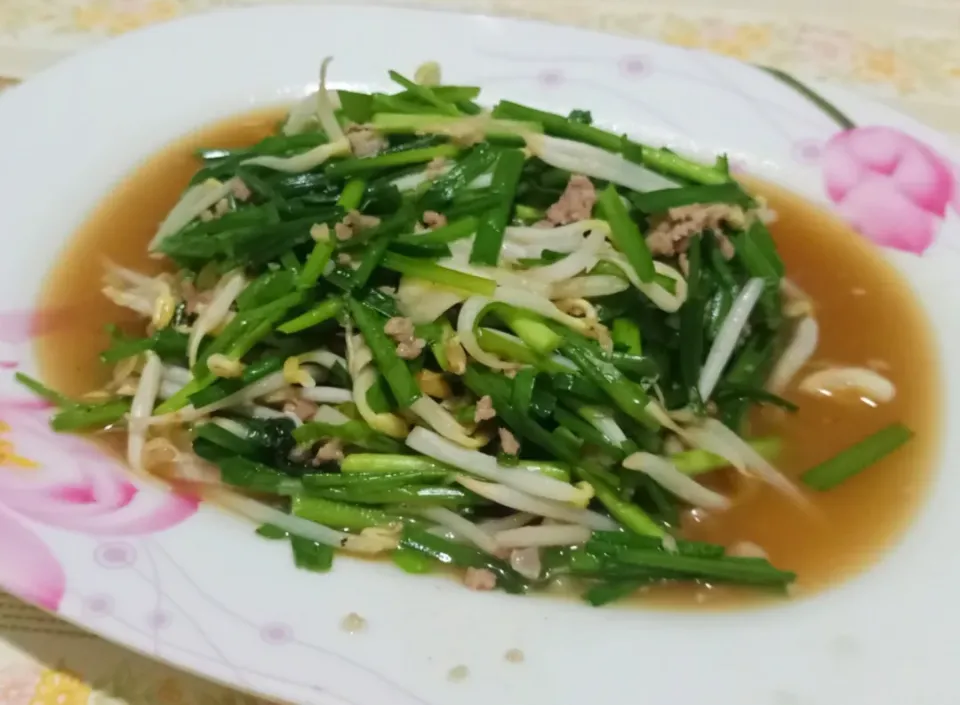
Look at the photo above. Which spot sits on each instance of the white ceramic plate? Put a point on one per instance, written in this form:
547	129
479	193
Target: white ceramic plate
196	587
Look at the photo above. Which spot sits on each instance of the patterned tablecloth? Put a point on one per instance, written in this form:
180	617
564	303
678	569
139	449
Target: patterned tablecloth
904	52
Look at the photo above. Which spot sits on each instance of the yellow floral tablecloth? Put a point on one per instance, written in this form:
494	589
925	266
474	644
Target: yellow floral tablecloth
904	52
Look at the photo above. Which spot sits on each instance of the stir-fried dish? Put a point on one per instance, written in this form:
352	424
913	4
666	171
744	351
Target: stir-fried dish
507	341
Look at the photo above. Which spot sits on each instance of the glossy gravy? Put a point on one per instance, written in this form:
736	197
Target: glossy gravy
868	317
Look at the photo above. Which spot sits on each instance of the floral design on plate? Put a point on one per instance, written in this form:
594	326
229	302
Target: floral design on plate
64	482
892	188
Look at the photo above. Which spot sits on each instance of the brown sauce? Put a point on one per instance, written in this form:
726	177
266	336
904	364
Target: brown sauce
868	317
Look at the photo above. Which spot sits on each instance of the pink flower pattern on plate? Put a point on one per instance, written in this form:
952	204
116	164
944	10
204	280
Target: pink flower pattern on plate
63	481
890	187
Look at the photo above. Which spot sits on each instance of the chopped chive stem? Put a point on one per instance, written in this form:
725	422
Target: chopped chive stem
340	515
370	259
320	313
626	395
626	334
493	341
394	370
625	233
464	556
672	164
698	462
352	432
349	167
614	590
728	569
386	463
558	125
406	123
352	195
489	238
660	160
627	513
378	479
412	561
451	185
432	272
857	458
43	391
425	94
665	199
531	330
88	418
451	232
316	262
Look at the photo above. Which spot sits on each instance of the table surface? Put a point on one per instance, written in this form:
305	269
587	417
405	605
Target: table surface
903	52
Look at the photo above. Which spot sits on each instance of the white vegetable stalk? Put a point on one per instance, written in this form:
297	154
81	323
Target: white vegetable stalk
261	388
177	375
467	320
326	395
135	280
728	336
410	182
338	145
231	426
151	297
665	474
168	389
796	302
463	528
543	535
660	297
360	362
258	411
580	260
324	358
297	421
135	301
482	181
513	521
302	114
565	238
325	108
802	345
586	159
716	438
588	287
859	379
305	161
327	414
141	409
663	418
604	422
523	502
561	360
422	301
526	561
194	201
443	422
182	466
430	444
214	314
514	250
369	541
